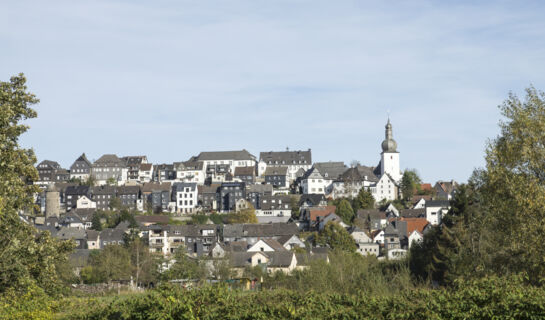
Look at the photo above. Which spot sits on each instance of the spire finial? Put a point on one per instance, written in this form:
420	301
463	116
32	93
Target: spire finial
388	112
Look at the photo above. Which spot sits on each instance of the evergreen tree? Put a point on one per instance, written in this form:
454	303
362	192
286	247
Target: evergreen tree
344	211
410	182
364	200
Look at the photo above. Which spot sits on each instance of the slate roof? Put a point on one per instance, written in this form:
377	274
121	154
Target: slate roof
83	158
77	190
351	175
260	188
276	171
128	190
368	172
211	189
275	245
180	186
331	170
276	259
110	235
438	203
225	155
103	190
286	157
92	235
50	163
314	199
109	160
133	160
412	213
371	214
259	230
146	166
237	246
244	171
66	233
154	186
446	186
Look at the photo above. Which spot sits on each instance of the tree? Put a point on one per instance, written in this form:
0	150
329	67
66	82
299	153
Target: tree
512	187
184	267
295	210
115	204
27	258
364	200
95	222
335	236
111	263
243	216
410	183
344	211
145	265
111	181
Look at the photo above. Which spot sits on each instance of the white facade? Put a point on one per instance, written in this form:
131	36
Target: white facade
85	203
292	168
232	164
369	248
389	164
186	198
385	189
415	237
315	183
434	214
145	175
187	175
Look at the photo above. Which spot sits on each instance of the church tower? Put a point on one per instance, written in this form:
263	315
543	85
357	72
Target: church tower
389	162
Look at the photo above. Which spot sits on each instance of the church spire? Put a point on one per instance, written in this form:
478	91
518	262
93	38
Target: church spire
389	144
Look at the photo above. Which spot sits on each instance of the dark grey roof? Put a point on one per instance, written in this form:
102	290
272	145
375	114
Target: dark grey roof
368	172
331	170
213	188
371	214
66	233
244	171
412	213
110	234
286	157
92	235
351	175
77	190
194	230
50	163
260	230
314	199
134	160
225	155
109	160
82	158
260	188
104	190
276	171
128	190
153	186
179	186
438	203
276	259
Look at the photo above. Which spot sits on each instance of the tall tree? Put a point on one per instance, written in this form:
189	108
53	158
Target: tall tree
243	216
344	211
364	200
335	236
410	183
26	258
513	187
111	263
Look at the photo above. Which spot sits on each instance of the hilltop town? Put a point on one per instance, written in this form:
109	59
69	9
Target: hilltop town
281	198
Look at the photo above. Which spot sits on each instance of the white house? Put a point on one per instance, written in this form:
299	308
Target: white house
420	204
186	197
368	248
234	159
415	237
190	171
385	189
435	210
266	245
379	237
145	172
293	160
314	183
85	203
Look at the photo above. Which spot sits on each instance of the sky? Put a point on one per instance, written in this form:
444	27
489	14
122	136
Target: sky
169	79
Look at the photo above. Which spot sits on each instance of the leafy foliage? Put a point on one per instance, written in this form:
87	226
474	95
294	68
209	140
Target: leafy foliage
410	183
364	200
243	216
335	236
27	259
344	211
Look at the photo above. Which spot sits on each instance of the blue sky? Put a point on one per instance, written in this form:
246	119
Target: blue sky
172	78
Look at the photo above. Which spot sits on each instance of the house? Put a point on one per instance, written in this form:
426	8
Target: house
85	203
412	213
331	170
251	233
207	196
129	196
391	238
255	192
291	242
266	245
229	194
368	248
445	189
164	173
145	173
292	160
75	234
111	236
315	254
415	237
375	218
271	262
190	171
85	216
109	168
349	183
81	168
359	235
396	254
274	206
311	216
73	193
435	210
277	177
245	174
386	189
420	202
313	182
238	158
378	236
46	172
72	221
156	196
197	239
93	239
132	163
312	200
102	195
185	194
332	217
406	227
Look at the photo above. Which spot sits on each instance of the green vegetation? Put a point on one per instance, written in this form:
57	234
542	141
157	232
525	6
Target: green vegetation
243	216
344	211
334	236
364	200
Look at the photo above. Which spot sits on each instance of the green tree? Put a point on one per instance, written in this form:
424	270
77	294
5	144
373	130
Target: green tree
185	267
335	236
95	222
111	263
344	211
27	258
111	181
513	187
295	209
115	204
364	200
410	183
